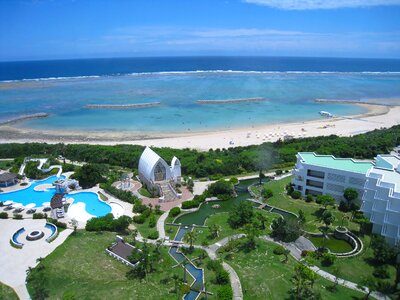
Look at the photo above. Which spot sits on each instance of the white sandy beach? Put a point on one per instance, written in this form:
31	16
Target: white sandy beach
378	116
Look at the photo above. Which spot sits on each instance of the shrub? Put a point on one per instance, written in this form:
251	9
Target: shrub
289	188
140	219
24	184
17	217
267	193
309	198
234	180
278	172
139	207
220	187
221	277
174	212
190	204
107	223
344	206
328	259
381	272
279	250
304	253
3	215
39	216
296	195
152	221
153	235
225	292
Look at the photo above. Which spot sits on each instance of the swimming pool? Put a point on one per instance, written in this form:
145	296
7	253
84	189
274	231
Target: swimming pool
93	205
29	195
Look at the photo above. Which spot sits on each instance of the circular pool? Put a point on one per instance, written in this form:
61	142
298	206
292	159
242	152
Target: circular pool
35	235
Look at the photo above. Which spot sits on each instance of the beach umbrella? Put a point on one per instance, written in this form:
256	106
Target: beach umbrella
30	205
46	204
17	205
8	202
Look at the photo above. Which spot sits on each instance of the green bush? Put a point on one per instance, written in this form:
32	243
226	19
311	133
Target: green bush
89	175
17	216
221	277
107	223
328	259
3	215
140	219
190	204
24	184
381	272
278	172
296	195
309	198
152	221
153	235
174	212
225	292
39	216
279	250
267	193
220	187
120	194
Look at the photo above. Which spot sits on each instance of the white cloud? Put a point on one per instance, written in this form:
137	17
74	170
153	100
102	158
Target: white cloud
321	4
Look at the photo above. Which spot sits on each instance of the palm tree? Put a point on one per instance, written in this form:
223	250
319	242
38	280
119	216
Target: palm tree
175	278
215	230
286	254
191	237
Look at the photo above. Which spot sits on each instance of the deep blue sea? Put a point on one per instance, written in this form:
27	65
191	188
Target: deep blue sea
62	88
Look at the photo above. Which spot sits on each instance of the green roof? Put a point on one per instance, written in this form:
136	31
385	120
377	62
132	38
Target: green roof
329	161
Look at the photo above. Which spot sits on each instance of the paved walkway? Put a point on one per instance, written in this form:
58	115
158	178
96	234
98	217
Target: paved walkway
14	262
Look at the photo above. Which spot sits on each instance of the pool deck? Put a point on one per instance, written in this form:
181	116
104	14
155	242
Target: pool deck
14	262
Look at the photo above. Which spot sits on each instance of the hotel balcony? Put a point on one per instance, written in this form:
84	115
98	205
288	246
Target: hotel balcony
316	174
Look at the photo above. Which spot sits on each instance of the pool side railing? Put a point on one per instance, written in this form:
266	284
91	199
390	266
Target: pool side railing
14	240
54	231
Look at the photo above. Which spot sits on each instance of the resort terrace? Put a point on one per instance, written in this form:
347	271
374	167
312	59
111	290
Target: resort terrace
329	161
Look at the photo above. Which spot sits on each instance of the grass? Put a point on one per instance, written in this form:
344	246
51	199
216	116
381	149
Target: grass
170	230
102	196
353	269
264	276
204	234
144	229
356	268
80	267
332	243
6	164
311	210
144	192
7	293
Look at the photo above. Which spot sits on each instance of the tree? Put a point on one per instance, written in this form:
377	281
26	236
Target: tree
215	230
368	284
267	193
286	253
350	195
241	215
302	217
328	218
383	252
326	200
134	235
191	237
251	233
89	175
285	230
175	278
303	280
262	218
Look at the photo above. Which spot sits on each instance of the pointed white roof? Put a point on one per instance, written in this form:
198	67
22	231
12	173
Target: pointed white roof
148	161
175	161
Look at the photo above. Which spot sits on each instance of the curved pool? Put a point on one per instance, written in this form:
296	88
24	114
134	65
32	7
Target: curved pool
93	204
29	195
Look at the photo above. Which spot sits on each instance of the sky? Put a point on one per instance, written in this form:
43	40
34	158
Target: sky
63	29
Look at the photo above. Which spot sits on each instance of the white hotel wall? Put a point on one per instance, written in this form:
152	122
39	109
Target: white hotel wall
334	181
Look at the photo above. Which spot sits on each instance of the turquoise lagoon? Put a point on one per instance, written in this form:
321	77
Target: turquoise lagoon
290	97
28	195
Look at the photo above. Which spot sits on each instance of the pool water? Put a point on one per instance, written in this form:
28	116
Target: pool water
93	205
28	195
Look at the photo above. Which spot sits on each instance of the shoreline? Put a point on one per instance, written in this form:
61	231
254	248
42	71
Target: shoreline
377	116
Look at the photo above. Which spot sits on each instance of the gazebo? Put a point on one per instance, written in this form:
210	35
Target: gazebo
7	179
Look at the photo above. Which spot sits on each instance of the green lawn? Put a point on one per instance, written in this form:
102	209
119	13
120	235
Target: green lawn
221	219
332	243
358	267
312	210
6	164
7	293
144	228
144	192
264	276
80	267
170	230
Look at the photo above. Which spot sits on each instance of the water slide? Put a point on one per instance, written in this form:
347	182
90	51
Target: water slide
41	161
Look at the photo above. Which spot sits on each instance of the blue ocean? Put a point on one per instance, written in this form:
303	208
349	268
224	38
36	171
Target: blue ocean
289	86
